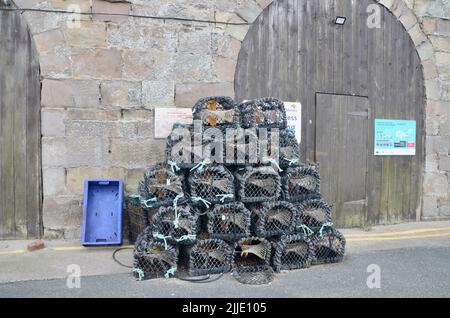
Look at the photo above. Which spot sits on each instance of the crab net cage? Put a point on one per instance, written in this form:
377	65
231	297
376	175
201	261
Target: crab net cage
241	147
301	183
212	184
176	225
252	261
274	219
137	217
263	112
292	252
160	185
289	150
313	213
153	259
216	111
329	246
209	256
258	184
229	221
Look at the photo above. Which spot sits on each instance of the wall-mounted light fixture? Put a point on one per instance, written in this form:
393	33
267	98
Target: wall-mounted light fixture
340	20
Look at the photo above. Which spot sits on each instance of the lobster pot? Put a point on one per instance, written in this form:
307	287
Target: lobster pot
254	275
184	146
153	259
258	184
313	213
182	232
263	112
293	252
274	219
209	256
301	183
229	222
329	247
216	111
289	150
213	183
138	217
241	147
162	185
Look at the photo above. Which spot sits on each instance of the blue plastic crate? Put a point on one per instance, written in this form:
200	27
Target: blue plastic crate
102	212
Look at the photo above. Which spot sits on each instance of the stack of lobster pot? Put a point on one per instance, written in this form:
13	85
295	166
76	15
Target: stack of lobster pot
232	196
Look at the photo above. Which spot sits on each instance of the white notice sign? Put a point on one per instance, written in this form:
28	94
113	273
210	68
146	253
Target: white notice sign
294	118
166	117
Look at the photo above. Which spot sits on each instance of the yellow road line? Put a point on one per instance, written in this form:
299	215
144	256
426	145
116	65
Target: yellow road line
392	238
85	248
12	252
399	232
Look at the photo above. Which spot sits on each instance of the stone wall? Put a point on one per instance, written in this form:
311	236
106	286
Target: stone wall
102	80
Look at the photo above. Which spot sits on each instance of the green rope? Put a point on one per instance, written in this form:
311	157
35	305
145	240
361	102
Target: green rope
143	201
327	224
205	202
187	237
140	273
274	162
171	271
291	161
175	205
306	230
225	196
173	166
201	165
162	237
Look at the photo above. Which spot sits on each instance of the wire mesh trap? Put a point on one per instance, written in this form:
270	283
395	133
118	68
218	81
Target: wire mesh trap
137	217
153	259
274	219
252	251
258	184
263	112
293	252
209	256
160	186
289	150
216	111
254	275
329	246
212	184
176	225
300	183
313	213
229	222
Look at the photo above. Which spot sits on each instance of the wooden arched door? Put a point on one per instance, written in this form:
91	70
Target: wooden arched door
20	168
345	76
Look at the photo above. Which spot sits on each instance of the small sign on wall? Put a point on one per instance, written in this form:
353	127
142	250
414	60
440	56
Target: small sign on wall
294	118
395	137
165	118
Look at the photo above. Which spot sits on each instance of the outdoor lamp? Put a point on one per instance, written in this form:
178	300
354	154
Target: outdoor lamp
340	20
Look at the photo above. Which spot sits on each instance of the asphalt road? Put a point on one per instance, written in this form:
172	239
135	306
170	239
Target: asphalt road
407	272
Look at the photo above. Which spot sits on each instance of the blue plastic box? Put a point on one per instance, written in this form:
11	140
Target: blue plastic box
102	212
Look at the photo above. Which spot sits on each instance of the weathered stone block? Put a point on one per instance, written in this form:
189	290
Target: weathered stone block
137	115
387	3
225	69
133	176
61	214
136	153
433	90
431	163
443	27
425	51
442	58
444	162
437	144
77	176
158	93
146	129
225	46
121	94
70	93
194	68
429	69
49	41
417	36
438	107
264	3
195	40
93	114
41	22
52	122
88	35
444	127
94	128
151	64
435	184
97	63
54	181
429	25
186	95
248	10
56	64
441	43
432	124
99	6
430	208
53	152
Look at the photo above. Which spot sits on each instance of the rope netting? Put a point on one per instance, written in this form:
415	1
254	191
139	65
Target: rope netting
258	184
293	252
329	245
274	219
263	112
209	256
137	217
229	222
216	111
300	183
314	213
153	259
210	184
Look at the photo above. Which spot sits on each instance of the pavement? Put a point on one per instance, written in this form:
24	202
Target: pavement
410	260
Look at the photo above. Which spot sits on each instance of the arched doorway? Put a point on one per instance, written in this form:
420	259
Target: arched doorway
20	152
345	76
